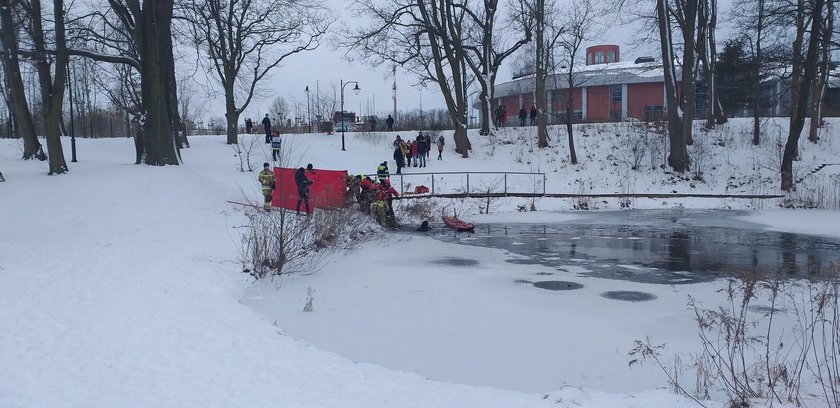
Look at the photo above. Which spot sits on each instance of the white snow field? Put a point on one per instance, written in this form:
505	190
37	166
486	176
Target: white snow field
120	287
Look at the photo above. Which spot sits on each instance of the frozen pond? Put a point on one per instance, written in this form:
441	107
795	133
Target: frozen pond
656	246
533	307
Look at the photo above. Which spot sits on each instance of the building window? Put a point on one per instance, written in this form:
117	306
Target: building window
599	57
615	93
654	112
611	56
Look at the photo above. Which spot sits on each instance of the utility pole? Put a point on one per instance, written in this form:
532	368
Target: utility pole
394	86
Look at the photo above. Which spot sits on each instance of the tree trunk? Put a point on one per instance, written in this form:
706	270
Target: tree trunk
232	117
486	111
689	98
810	71
678	153
155	62
570	131
540	62
52	89
17	93
821	81
817	91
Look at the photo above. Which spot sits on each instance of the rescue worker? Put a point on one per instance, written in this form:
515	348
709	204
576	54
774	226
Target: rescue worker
382	171
266	179
366	193
353	188
382	206
303	183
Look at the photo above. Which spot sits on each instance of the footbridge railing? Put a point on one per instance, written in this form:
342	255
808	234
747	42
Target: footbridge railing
467	184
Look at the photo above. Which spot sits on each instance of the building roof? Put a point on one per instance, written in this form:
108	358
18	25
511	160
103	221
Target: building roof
622	72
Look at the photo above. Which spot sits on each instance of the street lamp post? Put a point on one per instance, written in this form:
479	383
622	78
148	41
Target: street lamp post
308	114
356	90
72	130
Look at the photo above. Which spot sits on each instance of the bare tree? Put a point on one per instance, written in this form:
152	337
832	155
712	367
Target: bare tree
14	80
280	110
486	50
805	70
821	81
51	83
246	39
427	38
707	54
138	33
680	111
579	25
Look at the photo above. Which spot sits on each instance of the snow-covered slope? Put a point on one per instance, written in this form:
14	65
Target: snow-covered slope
119	284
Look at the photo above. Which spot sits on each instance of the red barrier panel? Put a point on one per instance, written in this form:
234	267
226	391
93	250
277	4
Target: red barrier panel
328	189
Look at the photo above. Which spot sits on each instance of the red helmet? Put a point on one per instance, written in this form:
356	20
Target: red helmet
386	182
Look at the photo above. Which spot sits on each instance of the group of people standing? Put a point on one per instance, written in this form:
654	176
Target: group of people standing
417	150
501	115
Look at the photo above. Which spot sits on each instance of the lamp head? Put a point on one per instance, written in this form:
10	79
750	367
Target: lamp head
356	89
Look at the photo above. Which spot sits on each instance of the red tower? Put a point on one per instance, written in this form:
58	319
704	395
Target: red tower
601	54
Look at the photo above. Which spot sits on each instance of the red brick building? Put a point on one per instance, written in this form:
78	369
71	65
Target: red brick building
606	89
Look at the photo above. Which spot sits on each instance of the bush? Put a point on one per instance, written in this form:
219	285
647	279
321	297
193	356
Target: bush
276	243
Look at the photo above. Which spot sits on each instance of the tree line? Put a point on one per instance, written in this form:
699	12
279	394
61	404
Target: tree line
454	45
238	42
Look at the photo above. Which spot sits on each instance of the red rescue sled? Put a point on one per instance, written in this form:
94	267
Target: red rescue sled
456	224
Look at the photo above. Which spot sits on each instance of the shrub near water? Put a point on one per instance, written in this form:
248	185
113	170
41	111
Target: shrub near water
277	243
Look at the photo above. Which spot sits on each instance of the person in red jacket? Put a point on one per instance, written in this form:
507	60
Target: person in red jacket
414	152
382	210
368	190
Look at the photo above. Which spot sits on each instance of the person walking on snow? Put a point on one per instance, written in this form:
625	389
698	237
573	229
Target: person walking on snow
302	183
267	125
428	144
266	179
533	115
275	145
523	114
498	117
390	123
440	143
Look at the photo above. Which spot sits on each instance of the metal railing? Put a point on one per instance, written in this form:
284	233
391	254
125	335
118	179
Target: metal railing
465	184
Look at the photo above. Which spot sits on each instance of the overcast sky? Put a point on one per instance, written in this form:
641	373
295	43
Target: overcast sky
326	65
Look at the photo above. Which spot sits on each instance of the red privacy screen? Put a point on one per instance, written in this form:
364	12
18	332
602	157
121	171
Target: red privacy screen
328	188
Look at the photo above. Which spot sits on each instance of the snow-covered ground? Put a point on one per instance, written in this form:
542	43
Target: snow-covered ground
120	286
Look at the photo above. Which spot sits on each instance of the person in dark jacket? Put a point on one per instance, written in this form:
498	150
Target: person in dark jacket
303	183
373	124
390	123
498	115
249	124
523	114
421	149
399	159
267	125
428	144
533	115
